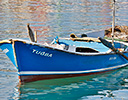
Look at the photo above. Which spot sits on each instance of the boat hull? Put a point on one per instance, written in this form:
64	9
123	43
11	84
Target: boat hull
31	78
38	62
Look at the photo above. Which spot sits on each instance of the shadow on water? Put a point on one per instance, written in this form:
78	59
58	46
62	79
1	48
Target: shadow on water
100	86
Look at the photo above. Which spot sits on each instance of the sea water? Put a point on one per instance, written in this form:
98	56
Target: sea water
51	18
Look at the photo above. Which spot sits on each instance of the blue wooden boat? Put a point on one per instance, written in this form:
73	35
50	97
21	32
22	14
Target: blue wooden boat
68	57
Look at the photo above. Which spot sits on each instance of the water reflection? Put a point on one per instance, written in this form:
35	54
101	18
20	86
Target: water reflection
102	86
51	18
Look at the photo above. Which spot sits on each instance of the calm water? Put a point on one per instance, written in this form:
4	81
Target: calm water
60	18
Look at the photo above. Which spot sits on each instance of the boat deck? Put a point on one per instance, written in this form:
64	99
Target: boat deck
96	46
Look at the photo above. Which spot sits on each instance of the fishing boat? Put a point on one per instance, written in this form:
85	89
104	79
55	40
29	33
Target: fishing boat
64	57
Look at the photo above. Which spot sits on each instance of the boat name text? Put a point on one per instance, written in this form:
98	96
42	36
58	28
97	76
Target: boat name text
42	53
112	58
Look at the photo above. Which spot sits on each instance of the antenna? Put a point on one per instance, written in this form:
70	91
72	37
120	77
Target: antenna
113	22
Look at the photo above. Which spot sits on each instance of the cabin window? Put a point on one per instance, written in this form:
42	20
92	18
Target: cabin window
85	50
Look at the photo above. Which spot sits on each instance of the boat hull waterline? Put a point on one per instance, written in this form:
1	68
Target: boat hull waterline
39	62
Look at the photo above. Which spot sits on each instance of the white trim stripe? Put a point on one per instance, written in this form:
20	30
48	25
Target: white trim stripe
68	72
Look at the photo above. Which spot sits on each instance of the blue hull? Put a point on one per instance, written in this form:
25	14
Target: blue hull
38	62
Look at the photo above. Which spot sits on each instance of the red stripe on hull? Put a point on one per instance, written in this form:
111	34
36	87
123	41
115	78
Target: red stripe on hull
31	78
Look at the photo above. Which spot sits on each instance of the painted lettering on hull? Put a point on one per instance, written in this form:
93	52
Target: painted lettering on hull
112	58
42	53
5	50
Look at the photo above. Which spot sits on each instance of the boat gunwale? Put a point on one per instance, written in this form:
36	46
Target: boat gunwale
50	47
